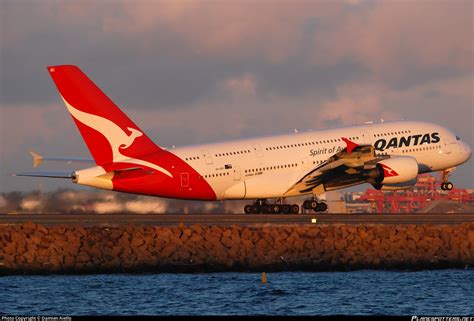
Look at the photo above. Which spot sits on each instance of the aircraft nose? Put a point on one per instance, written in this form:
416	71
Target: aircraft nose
467	150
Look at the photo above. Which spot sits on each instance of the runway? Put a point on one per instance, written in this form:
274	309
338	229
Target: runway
230	219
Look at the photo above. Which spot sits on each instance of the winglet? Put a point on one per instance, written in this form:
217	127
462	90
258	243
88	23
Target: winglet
350	145
37	159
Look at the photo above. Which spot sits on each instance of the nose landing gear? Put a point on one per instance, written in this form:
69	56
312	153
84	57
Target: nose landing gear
446	185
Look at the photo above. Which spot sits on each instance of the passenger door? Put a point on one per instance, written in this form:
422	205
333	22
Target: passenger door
257	150
207	157
184	179
236	170
366	139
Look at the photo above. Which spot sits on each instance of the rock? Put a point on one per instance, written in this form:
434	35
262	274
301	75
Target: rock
247	244
227	242
261	247
197	228
246	234
470	237
17	237
131	248
375	242
29	226
340	244
83	258
167	251
42	229
227	233
35	239
10	249
299	244
216	230
187	232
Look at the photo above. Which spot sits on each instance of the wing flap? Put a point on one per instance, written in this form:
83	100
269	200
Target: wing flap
343	169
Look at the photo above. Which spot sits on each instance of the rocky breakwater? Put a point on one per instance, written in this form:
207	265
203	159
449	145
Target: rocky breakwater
33	248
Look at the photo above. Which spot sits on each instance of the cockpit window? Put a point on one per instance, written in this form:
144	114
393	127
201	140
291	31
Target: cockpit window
458	138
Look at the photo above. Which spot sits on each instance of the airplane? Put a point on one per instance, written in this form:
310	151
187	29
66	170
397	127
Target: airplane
387	155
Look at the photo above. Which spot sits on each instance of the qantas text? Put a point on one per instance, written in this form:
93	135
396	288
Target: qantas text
414	140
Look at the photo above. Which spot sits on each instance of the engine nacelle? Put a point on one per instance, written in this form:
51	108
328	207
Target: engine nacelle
394	187
395	170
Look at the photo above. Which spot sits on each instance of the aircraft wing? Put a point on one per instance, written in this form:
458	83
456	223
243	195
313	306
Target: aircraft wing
346	168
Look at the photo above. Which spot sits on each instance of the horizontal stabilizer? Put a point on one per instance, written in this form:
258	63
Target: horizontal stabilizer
38	159
69	175
126	173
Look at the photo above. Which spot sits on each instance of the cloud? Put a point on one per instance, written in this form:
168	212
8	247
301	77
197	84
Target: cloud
193	72
169	54
404	42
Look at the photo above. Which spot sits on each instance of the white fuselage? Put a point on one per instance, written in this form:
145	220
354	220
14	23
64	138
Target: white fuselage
267	167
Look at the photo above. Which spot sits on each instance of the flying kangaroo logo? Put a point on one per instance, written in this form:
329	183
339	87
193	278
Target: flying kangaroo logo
135	133
388	172
116	136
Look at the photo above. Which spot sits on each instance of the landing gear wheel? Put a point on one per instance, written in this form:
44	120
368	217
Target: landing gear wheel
447	186
255	209
295	209
286	208
248	209
307	205
314	205
276	209
322	207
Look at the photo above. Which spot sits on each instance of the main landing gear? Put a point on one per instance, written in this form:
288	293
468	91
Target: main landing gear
446	185
314	205
262	207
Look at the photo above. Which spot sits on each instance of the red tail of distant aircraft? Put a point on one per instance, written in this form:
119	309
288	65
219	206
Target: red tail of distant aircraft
387	155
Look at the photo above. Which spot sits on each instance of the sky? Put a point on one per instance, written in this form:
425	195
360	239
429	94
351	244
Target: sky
192	72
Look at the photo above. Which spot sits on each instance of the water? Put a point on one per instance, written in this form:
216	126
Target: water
439	292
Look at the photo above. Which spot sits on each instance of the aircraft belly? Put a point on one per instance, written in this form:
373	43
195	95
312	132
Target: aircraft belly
267	186
235	192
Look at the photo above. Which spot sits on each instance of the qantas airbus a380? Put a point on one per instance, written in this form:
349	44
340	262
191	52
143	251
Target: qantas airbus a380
387	155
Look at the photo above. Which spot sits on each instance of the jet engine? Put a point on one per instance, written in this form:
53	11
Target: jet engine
398	170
